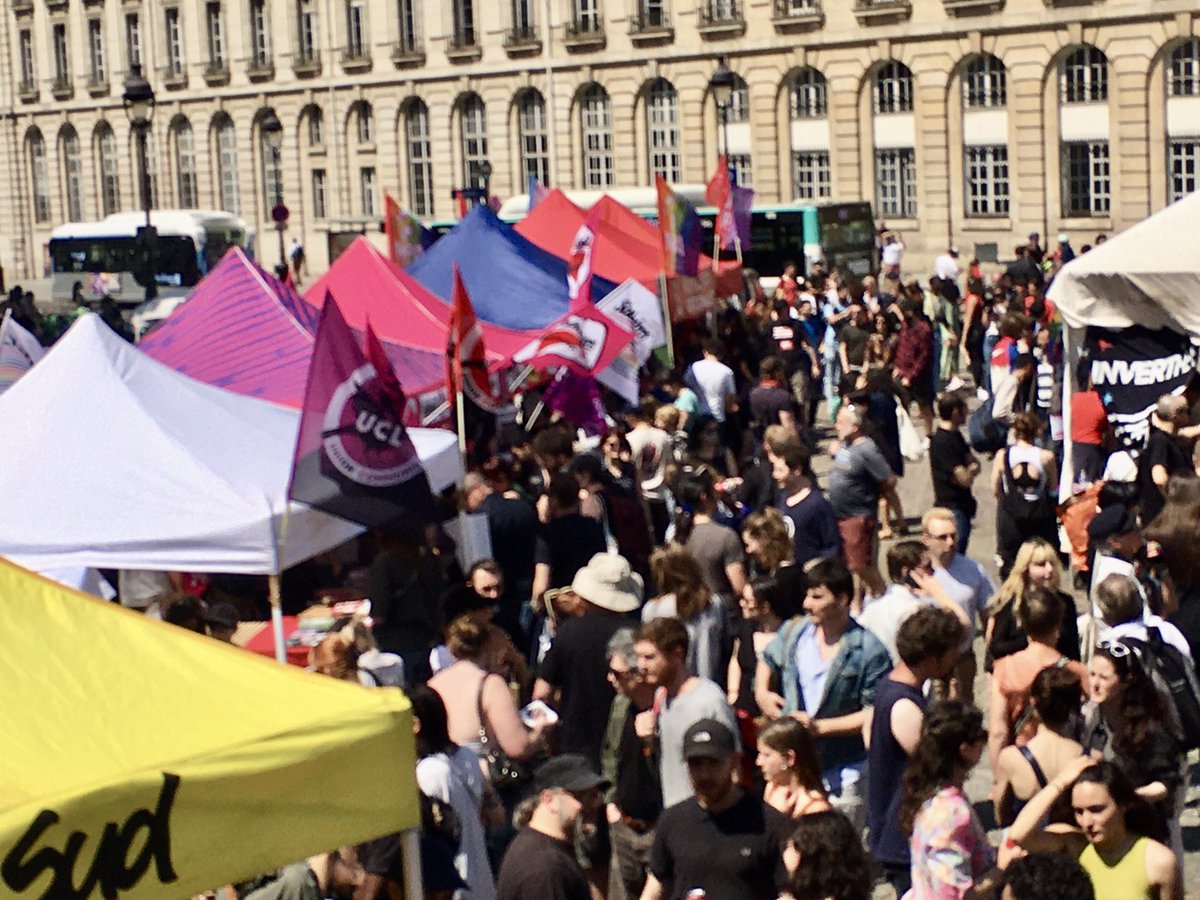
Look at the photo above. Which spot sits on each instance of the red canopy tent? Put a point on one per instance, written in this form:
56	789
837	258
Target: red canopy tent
401	310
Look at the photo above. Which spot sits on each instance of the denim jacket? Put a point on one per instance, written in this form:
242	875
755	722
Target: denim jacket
861	662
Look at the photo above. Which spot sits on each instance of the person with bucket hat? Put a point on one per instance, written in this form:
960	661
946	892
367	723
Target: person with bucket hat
574	674
540	861
724	840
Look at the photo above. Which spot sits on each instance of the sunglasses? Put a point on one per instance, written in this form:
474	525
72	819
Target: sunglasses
628	673
948	536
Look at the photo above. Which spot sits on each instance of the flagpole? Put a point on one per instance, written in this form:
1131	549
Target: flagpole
461	409
273	594
737	248
716	248
668	328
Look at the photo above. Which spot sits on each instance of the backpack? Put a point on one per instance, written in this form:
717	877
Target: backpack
1174	674
984	433
625	525
1025	499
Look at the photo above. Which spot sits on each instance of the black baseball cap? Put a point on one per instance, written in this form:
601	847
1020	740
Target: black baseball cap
570	771
708	738
1112	521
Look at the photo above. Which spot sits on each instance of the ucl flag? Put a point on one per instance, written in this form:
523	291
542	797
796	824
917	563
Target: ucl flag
354	458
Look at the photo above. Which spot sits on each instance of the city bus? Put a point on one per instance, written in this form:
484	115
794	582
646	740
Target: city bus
91	260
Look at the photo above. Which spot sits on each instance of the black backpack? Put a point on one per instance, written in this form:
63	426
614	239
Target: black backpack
1026	499
984	433
1174	674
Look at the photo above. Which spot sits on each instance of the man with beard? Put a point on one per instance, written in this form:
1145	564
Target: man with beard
724	840
540	861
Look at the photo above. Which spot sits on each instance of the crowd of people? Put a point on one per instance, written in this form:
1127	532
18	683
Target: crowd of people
685	671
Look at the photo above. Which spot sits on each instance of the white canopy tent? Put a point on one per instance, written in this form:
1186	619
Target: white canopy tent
112	460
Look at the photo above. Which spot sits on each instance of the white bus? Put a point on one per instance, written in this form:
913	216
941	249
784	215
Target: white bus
90	260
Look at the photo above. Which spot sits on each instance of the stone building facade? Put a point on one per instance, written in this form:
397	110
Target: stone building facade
967	122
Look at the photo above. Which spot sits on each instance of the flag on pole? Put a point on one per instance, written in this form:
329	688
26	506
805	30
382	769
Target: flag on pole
577	399
719	194
354	457
680	230
585	340
579	262
406	236
743	209
536	190
19	350
466	358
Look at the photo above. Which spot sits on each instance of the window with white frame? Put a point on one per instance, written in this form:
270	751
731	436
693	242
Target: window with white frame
420	159
739	166
215	32
98	69
587	16
356	28
316	127
1087	183
652	14
896	183
133	40
662	123
893	88
272	173
1085	76
737	110
368	189
62	54
810	175
986	171
806	95
1183	155
985	83
320	206
595	120
407	16
185	164
473	129
109	167
148	183
72	173
28	73
464	23
364	119
174	42
522	18
306	24
227	175
1183	76
39	178
260	39
535	152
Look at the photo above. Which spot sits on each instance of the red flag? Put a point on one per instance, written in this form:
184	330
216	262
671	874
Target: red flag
579	263
466	358
354	457
719	193
586	340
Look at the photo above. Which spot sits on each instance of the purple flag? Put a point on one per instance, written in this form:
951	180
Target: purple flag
354	457
577	399
743	207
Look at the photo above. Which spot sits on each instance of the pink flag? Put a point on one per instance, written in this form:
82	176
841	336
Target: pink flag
466	359
354	457
719	193
585	340
579	263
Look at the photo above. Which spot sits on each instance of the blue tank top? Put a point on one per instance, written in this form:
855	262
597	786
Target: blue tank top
885	767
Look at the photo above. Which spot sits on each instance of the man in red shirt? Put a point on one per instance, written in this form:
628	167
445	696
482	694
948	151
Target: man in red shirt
912	368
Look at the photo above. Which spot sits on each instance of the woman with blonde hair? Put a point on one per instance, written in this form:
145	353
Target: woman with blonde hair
1036	563
684	595
767	542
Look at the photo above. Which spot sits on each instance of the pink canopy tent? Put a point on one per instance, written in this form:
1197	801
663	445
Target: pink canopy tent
368	285
243	330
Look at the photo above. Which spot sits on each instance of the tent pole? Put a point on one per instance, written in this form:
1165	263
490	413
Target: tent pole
668	326
461	408
433	416
276	618
410	855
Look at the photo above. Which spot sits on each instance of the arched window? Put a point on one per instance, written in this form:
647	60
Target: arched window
184	145
806	95
148	182
1183	77
314	120
472	117
893	91
364	122
35	145
72	172
985	85
272	170
734	121
227	174
420	158
110	179
531	123
662	128
1085	76
596	139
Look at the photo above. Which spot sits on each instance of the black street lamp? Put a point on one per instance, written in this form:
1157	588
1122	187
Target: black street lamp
721	83
138	101
272	135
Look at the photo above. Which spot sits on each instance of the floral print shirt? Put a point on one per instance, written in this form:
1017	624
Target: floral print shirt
950	849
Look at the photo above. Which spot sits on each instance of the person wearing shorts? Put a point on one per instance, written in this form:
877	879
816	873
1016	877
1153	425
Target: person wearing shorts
859	475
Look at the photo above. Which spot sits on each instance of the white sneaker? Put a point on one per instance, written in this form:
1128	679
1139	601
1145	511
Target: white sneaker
954	384
981	394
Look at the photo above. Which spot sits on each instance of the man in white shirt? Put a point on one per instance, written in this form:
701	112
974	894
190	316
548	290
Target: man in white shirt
651	450
946	266
713	381
891	254
1124	611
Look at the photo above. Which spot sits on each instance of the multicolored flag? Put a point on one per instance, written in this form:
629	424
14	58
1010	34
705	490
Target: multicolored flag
537	191
407	238
719	194
680	230
466	358
354	457
579	262
19	350
585	340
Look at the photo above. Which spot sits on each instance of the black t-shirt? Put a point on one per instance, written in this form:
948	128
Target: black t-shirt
510	521
577	664
1165	450
567	544
785	338
767	402
854	339
537	865
947	450
638	788
736	854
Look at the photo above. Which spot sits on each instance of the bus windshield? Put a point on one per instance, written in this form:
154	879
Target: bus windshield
175	262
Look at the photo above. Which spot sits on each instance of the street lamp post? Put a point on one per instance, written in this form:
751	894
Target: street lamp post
721	83
138	101
272	135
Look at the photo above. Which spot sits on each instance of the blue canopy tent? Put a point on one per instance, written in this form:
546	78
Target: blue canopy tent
512	282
